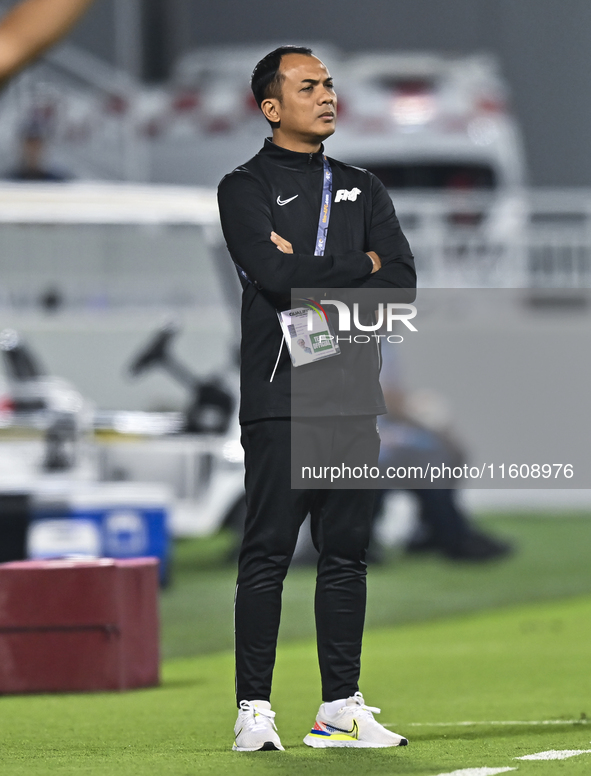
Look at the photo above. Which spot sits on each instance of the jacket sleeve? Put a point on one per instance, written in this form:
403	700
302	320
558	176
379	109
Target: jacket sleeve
247	225
388	241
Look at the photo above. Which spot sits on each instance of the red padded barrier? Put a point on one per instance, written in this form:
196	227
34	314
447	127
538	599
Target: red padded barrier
68	626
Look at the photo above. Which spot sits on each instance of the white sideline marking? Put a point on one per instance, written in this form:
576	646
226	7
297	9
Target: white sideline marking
497	722
555	754
477	772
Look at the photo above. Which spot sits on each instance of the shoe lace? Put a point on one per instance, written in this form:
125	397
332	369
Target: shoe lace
361	703
256	711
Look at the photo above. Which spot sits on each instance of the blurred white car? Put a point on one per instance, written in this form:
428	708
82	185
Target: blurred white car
219	77
429	121
438	133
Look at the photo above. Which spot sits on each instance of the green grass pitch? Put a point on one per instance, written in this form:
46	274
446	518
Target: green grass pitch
446	681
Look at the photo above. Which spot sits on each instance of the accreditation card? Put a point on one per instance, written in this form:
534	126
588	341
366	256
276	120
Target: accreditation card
308	335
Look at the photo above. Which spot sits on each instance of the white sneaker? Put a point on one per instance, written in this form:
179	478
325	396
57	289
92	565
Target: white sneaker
255	729
353	725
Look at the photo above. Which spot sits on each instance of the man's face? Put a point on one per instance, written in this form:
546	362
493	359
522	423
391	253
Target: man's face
308	104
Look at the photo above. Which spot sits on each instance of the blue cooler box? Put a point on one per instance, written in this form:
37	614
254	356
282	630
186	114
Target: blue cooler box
131	519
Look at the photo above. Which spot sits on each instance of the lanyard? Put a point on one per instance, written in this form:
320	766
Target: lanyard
325	206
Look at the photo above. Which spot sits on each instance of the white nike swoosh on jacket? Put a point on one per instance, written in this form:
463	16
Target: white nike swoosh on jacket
282	202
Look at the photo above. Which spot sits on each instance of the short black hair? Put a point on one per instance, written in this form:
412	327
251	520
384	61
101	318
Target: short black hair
266	80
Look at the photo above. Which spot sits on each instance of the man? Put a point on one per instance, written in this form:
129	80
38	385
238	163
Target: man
32	166
270	216
302	344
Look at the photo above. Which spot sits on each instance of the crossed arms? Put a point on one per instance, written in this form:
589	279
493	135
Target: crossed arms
269	259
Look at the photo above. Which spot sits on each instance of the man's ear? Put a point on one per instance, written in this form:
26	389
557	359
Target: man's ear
271	108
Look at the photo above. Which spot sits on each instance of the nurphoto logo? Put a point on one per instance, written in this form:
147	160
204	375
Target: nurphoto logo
388	313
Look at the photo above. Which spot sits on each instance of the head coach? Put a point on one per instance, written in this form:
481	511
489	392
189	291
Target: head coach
271	217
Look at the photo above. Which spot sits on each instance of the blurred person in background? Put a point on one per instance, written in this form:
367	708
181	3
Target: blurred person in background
32	166
31	27
415	432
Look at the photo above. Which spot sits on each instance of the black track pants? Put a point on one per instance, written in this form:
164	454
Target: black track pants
341	521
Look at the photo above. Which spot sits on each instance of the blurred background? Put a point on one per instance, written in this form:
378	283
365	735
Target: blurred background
119	304
147	56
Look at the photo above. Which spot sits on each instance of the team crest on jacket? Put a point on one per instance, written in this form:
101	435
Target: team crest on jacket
343	195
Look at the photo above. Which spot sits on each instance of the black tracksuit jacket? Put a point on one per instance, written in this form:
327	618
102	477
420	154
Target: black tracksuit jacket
249	202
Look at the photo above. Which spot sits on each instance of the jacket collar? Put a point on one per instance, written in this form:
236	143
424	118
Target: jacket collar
293	160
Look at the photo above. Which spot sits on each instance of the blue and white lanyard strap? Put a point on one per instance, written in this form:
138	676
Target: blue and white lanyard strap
325	207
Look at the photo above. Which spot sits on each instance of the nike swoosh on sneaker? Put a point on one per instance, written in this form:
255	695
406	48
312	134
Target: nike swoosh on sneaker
332	730
353	732
282	202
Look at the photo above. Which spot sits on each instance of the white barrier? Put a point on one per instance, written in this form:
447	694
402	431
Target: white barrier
117	246
533	238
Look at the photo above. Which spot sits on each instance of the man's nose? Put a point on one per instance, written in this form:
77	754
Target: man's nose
327	97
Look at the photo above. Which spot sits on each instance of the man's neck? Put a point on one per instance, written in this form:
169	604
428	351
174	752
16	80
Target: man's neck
299	145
